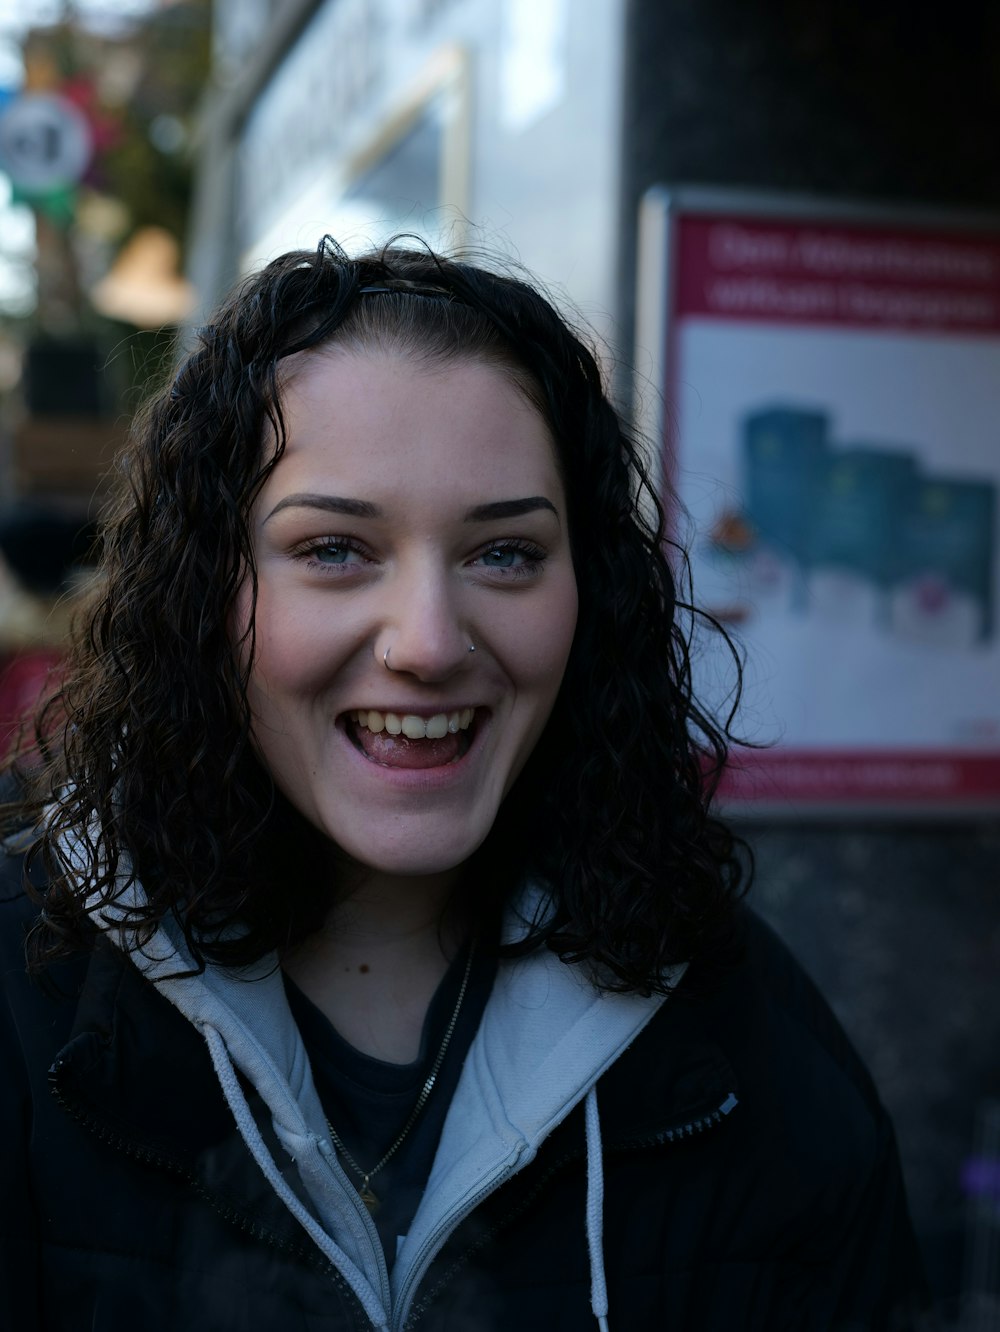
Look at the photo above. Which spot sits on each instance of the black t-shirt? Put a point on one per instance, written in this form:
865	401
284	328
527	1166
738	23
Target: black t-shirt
368	1101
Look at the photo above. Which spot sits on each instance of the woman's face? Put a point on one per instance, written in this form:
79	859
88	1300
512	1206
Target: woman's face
416	510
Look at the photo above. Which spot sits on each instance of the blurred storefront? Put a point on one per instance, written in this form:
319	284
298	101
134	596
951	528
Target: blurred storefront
463	122
94	109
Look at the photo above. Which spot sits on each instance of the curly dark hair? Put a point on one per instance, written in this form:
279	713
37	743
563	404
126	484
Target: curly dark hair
151	769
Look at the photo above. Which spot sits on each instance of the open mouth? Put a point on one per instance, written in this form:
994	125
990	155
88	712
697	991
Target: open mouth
405	740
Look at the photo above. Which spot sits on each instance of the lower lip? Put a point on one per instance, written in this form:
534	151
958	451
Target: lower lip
418	779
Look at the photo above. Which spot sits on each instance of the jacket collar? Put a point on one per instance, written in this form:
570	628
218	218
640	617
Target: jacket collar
136	1064
675	1080
137	1075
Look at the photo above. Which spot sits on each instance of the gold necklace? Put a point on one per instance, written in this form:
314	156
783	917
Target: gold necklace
366	1192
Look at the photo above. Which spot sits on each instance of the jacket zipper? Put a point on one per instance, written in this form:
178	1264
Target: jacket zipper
433	1243
689	1129
231	1215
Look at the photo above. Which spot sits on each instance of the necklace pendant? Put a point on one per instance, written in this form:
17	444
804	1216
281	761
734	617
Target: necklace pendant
369	1198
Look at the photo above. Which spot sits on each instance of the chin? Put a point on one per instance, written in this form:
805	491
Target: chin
413	862
419	867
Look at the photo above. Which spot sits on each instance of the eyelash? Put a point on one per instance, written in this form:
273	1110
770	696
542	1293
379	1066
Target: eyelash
533	556
308	552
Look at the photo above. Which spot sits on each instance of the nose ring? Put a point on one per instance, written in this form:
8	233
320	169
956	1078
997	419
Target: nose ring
385	657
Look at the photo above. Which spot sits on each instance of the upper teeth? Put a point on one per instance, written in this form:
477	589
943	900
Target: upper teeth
415	728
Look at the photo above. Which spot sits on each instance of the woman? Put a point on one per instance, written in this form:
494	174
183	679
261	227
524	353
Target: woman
396	973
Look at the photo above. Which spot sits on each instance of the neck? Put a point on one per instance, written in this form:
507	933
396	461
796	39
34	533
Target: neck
375	963
393	912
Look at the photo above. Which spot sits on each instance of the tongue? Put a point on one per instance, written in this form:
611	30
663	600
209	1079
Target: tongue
395	751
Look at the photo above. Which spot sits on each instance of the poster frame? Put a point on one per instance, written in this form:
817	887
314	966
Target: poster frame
655	405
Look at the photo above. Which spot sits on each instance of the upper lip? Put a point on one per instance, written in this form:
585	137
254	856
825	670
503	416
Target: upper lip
413	710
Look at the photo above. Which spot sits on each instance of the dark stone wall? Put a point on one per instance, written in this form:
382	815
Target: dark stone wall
886	101
900	927
898	922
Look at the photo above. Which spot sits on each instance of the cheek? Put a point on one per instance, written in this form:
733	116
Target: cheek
285	650
542	665
547	643
562	621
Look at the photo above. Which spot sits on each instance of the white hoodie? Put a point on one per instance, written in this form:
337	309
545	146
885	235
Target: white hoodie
545	1039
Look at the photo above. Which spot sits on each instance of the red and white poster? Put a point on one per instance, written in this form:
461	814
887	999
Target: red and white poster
830	390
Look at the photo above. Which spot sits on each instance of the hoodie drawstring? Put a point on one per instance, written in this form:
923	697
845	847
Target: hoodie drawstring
251	1135
595	1211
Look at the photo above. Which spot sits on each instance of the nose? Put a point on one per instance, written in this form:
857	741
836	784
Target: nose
425	635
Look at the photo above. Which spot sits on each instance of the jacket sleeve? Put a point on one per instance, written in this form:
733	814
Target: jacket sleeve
879	1271
19	1257
19	1220
854	1232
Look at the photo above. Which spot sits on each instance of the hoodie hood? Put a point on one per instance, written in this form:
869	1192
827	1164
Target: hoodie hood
544	1040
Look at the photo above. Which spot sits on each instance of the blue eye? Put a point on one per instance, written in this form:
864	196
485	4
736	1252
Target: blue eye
502	558
331	553
516	559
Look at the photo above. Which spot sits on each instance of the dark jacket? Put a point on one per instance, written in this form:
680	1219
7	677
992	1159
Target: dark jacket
751	1178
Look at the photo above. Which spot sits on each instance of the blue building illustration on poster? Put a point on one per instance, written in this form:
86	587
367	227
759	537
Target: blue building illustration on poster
923	543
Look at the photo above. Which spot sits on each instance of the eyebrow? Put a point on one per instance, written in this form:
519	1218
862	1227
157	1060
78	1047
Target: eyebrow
512	508
355	508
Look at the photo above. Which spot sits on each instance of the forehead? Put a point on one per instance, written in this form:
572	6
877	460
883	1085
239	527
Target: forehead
386	419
